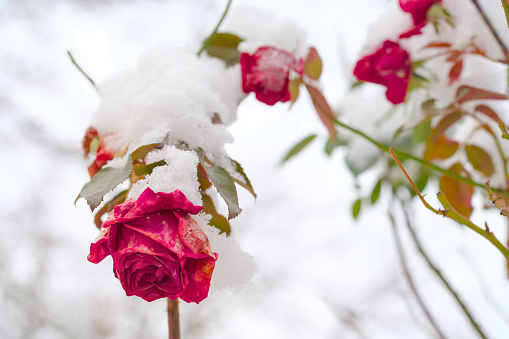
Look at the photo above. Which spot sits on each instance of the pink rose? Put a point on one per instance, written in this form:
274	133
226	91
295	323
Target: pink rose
418	9
390	66
102	155
267	73
158	250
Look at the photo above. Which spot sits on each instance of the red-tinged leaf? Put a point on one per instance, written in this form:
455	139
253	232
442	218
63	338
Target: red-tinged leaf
488	112
313	64
217	220
441	148
467	93
293	88
454	55
480	160
108	207
438	45
455	72
459	194
203	178
104	181
324	111
443	125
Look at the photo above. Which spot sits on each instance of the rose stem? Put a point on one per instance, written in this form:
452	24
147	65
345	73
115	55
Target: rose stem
173	319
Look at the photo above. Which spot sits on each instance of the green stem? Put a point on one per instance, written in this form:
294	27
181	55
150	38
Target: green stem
81	70
417	243
410	280
423	162
451	213
211	36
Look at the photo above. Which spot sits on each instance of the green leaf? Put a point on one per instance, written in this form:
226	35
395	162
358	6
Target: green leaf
356	208
141	152
140	169
224	46
247	183
104	181
313	64
467	93
217	220
298	147
421	131
480	160
376	191
331	145
225	186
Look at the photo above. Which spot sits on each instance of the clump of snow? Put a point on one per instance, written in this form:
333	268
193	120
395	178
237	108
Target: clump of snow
234	267
173	93
259	28
178	173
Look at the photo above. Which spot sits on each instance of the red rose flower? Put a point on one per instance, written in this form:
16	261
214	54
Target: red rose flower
102	155
158	250
267	72
418	9
390	66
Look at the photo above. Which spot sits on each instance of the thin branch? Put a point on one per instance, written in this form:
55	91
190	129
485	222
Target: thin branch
488	23
410	280
417	243
173	319
451	213
211	36
423	162
81	70
497	201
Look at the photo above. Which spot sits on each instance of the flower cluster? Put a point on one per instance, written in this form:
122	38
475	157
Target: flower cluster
390	65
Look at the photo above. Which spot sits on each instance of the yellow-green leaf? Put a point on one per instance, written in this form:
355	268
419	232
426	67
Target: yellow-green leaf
480	160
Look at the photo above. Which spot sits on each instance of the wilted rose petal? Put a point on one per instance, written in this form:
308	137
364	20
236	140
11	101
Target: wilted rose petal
158	250
418	9
390	66
267	73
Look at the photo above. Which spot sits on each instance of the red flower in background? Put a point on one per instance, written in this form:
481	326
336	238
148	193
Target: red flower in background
102	155
418	9
390	66
158	250
267	71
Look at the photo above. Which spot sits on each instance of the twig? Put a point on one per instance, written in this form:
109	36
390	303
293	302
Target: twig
423	162
81	70
451	213
173	319
410	280
487	21
211	36
499	202
417	243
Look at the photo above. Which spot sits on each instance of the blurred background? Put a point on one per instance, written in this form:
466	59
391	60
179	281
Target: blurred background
321	274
